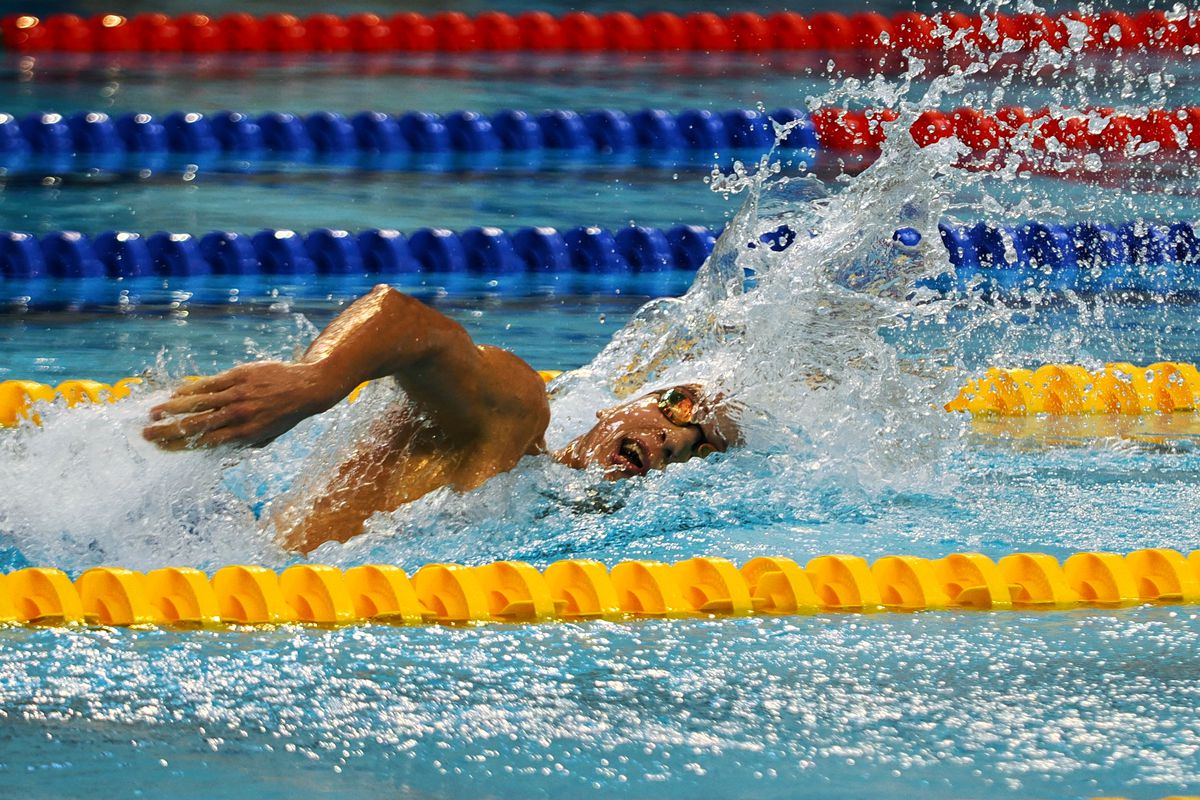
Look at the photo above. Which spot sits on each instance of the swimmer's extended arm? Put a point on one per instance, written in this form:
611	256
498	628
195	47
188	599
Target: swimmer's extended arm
467	390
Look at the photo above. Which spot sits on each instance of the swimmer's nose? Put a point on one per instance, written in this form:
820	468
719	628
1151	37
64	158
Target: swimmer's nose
669	447
672	445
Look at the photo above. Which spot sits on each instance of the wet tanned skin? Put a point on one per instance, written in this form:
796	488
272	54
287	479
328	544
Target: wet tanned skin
481	410
470	413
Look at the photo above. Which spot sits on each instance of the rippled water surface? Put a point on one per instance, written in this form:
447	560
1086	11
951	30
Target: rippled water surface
936	705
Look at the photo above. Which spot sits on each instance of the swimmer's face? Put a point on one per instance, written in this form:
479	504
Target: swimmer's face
663	427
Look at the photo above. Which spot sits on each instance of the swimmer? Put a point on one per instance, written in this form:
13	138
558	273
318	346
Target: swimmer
470	412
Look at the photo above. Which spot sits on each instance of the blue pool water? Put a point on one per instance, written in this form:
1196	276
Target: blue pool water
847	450
553	321
914	704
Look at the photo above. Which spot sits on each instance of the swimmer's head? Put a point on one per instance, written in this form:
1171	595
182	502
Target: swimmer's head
667	426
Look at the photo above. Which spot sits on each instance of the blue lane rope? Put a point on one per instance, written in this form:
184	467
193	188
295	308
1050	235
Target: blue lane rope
1003	261
113	254
1086	258
329	134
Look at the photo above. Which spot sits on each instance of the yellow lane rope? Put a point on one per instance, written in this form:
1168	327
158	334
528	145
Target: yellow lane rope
1120	388
575	590
1069	389
18	397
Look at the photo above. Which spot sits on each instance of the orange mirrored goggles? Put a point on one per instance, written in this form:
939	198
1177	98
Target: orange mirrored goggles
678	405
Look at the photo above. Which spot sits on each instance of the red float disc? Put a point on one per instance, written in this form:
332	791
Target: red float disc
872	31
412	32
242	33
370	34
913	31
1158	126
285	33
497	31
831	31
791	31
625	32
1117	133
541	31
930	127
455	32
667	32
975	129
1113	30
708	32
157	33
198	33
69	34
1188	121
751	32
24	32
584	32
329	34
112	33
842	130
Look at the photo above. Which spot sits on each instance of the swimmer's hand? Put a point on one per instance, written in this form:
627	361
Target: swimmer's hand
251	404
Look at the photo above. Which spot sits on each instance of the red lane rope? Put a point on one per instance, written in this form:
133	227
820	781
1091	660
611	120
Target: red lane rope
1100	130
619	31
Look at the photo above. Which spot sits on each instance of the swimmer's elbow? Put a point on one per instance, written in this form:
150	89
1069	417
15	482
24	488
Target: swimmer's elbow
422	335
536	410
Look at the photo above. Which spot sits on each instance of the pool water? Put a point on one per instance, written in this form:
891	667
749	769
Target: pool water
724	709
847	450
553	321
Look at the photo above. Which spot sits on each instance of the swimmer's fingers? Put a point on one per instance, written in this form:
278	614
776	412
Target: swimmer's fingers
209	385
252	404
213	439
246	434
193	402
202	394
186	431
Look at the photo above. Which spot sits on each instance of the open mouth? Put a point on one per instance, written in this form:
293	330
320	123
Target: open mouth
631	457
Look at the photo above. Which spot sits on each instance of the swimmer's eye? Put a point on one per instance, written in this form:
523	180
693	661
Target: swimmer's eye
677	406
